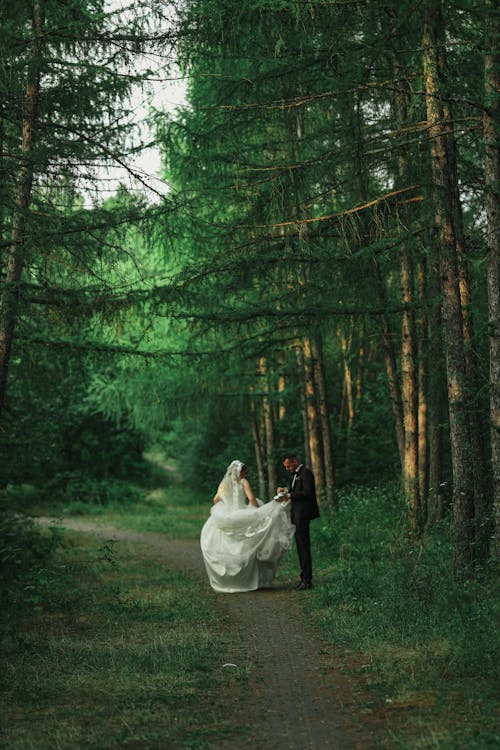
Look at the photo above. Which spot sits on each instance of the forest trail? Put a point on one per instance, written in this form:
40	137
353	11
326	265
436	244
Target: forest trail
296	696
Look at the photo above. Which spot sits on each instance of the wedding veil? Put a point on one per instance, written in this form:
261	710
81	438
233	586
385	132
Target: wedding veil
229	487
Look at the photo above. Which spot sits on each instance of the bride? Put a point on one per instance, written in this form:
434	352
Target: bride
242	543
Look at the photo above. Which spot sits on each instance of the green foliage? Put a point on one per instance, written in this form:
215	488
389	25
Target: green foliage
429	640
367	451
25	555
50	426
294	128
207	442
380	587
293	125
77	490
104	449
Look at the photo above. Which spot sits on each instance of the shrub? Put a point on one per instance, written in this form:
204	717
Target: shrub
25	552
67	488
381	588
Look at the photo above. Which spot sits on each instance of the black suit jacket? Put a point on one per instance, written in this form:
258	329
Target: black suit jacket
303	494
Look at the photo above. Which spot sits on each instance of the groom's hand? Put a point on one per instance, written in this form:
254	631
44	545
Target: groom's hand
282	494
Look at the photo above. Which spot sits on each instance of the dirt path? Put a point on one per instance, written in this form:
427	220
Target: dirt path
297	697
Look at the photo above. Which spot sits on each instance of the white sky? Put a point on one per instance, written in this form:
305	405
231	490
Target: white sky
163	95
166	96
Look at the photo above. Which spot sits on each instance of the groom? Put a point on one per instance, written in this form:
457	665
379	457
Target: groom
302	493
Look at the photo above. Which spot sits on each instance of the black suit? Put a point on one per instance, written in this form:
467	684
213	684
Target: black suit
304	509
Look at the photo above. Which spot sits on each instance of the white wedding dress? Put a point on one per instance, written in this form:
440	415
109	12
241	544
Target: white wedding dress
242	545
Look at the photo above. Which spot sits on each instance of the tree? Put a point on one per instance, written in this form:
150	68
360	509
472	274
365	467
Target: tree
492	181
71	83
22	198
445	217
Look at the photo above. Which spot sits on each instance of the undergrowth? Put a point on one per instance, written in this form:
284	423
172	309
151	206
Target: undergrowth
431	640
159	503
104	646
26	571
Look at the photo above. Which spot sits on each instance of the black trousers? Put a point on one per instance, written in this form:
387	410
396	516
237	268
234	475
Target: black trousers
303	542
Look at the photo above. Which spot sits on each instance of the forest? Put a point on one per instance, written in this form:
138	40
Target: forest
314	267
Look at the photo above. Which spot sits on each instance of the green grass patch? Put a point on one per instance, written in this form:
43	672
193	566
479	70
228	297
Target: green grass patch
430	643
175	510
120	652
161	503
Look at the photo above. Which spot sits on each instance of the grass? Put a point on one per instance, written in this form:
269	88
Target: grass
430	643
121	652
162	504
172	510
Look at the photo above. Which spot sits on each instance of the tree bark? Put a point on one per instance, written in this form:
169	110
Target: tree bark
17	250
259	458
391	368
299	354
409	394
326	436
269	429
492	180
313	419
422	378
360	370
459	411
437	401
409	349
482	511
3	179
348	386
281	402
3	170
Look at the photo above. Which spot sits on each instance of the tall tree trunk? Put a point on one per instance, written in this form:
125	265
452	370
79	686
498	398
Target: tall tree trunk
422	338
313	418
296	120
343	402
347	412
461	449
409	394
17	250
299	354
391	367
326	436
437	401
3	169
3	180
281	402
348	385
280	410
269	429
491	118
482	510
257	444
361	368
409	351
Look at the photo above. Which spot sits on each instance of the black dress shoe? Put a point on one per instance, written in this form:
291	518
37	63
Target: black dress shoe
302	586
